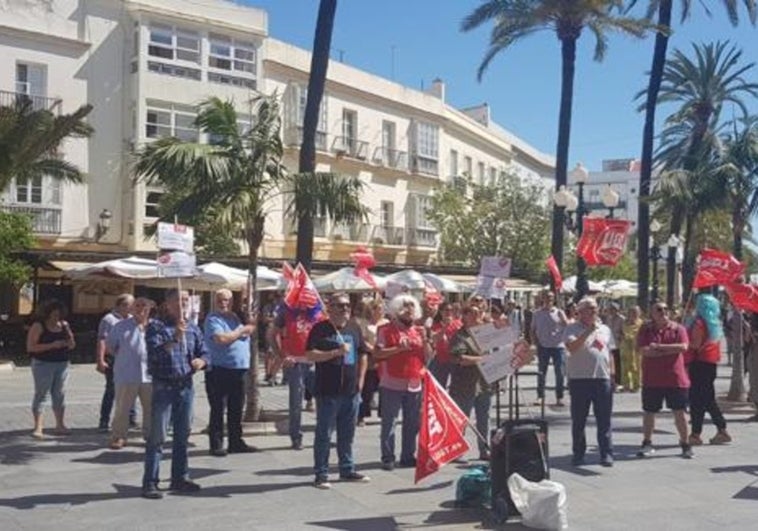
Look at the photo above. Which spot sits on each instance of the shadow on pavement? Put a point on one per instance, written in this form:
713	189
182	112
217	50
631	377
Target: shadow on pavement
37	500
226	491
385	523
434	486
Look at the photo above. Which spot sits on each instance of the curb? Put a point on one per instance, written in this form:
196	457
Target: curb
7	366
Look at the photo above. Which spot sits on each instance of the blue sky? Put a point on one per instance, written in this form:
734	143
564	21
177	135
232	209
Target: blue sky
522	85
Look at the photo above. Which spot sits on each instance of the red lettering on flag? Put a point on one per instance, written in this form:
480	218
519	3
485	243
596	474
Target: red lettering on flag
552	266
603	241
717	268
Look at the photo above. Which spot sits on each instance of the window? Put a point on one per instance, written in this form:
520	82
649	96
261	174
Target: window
453	163
386	214
422	204
174	70
388	135
152	204
223	79
228	54
38	191
166	119
480	173
31	79
322	123
349	126
174	44
493	176
427	145
468	168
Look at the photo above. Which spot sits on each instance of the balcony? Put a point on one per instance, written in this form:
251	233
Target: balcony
45	220
293	137
347	146
391	158
354	232
386	235
9	99
425	165
421	237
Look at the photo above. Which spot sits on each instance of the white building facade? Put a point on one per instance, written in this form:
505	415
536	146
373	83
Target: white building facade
144	65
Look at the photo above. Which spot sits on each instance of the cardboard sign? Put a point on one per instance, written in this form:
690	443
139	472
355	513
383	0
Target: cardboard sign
496	345
174	237
495	266
176	264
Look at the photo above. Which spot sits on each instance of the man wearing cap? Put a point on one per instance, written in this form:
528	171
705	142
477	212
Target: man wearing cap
590	370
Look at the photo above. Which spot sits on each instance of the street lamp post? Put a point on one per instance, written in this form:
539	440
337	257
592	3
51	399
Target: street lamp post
673	246
655	255
610	198
580	176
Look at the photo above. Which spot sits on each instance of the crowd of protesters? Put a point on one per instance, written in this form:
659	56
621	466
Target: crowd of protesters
370	347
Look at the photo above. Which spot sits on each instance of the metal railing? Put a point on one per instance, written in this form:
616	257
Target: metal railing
9	99
294	137
387	235
355	232
45	220
391	158
421	237
350	147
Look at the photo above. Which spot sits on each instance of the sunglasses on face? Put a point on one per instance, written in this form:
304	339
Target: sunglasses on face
661	309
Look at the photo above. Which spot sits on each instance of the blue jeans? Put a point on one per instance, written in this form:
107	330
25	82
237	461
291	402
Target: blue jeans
49	377
340	411
599	393
392	403
300	377
481	405
544	355
170	401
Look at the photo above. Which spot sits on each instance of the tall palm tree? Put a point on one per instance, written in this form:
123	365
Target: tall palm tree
741	160
322	43
30	139
663	8
701	86
515	19
235	180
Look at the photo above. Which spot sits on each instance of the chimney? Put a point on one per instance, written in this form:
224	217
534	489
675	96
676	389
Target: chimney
437	89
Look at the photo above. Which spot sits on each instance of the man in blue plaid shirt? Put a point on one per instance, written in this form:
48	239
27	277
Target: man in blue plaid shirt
175	351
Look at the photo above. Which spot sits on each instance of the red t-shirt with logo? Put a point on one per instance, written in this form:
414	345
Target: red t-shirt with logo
442	345
664	371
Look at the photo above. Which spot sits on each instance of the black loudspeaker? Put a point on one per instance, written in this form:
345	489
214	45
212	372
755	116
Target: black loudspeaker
518	446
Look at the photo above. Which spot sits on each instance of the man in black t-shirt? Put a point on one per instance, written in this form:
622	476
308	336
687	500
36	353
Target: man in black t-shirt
337	348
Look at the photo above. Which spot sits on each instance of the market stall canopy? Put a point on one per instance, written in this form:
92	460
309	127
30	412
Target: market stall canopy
345	280
444	284
569	285
619	288
408	278
210	276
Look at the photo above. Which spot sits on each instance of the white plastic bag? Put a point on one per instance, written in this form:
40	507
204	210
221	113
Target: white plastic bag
542	505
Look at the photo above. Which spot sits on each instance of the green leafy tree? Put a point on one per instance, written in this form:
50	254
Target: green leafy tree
230	184
741	165
30	139
508	219
15	235
663	8
515	19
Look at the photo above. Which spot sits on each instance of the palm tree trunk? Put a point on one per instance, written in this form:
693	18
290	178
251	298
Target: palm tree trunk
322	43
737	391
568	64
738	225
688	258
253	407
646	168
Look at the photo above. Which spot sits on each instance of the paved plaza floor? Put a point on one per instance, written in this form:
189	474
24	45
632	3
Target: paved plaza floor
75	482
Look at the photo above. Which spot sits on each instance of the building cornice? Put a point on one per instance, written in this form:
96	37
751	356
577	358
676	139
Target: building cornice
47	38
193	18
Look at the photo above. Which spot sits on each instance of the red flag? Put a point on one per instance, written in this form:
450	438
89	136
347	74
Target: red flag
363	260
300	291
603	240
716	268
440	439
743	296
552	266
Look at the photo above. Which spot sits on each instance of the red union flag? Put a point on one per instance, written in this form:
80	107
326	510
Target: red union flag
743	296
603	240
440	439
552	266
363	260
717	268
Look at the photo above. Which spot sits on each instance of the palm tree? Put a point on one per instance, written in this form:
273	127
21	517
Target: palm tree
664	8
235	180
515	19
700	86
30	139
322	43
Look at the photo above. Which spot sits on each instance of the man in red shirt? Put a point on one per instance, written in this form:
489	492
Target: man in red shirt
662	343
